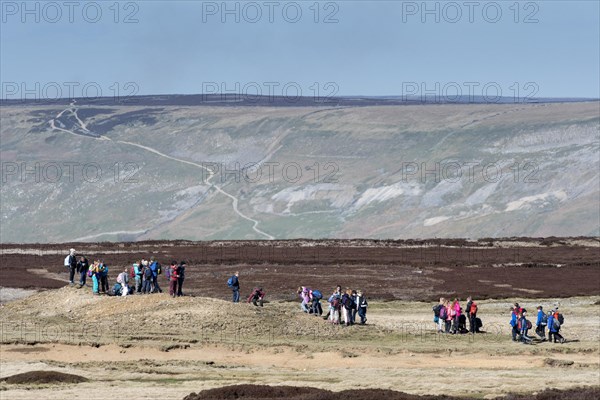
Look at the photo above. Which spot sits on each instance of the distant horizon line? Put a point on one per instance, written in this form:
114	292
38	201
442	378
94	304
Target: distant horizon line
280	100
355	239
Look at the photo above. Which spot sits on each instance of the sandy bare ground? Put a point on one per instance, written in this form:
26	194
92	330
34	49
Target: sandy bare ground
12	294
177	346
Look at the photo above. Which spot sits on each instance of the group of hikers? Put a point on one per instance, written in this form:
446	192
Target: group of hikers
343	305
141	277
449	317
553	320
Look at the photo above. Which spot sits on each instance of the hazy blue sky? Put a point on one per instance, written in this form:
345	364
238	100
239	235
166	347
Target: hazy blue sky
374	48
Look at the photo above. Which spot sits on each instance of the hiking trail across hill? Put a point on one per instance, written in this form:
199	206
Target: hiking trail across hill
87	133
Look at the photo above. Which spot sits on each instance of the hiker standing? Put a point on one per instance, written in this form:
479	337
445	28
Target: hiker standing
513	322
444	328
83	267
103	268
94	272
172	276
468	309
438	320
354	309
453	319
347	304
168	271
542	320
456	315
71	264
234	285
155	267
138	275
316	308
180	277
337	290
146	278
361	303
472	315
335	306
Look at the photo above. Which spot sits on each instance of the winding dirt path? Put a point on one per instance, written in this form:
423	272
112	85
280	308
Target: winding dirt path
235	201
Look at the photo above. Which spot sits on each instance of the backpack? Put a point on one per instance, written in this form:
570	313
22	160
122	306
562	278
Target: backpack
335	304
90	273
132	272
117	289
168	274
230	282
157	267
473	309
436	310
148	273
544	319
520	325
67	262
556	323
561	319
317	295
443	313
349	303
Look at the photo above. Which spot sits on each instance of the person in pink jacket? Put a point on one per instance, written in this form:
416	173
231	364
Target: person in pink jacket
449	317
306	297
456	311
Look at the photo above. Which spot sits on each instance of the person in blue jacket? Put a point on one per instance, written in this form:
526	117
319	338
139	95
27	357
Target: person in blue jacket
155	267
524	328
83	267
513	323
540	323
137	274
103	277
180	277
235	286
553	330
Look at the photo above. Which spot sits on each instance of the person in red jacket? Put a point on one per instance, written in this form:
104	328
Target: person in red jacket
471	312
173	279
257	296
518	309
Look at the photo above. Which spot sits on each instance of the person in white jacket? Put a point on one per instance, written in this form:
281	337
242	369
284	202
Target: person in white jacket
361	304
123	279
